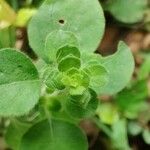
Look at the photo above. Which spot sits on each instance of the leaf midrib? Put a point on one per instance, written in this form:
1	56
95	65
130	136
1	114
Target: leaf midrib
36	80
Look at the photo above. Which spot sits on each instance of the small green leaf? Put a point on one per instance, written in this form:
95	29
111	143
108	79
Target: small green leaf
108	113
19	83
7	37
121	11
132	100
73	80
119	135
98	76
72	71
90	59
52	78
134	128
56	40
67	15
7	14
15	132
69	62
144	70
77	91
66	50
59	135
75	77
82	106
23	16
146	136
120	67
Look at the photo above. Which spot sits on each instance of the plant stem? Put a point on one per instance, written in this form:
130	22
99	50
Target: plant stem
49	121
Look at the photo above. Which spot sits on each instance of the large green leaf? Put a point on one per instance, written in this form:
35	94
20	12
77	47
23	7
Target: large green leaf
127	11
68	15
120	67
19	83
58	134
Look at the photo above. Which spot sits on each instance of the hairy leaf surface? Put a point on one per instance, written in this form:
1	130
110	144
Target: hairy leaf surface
82	106
120	67
55	41
19	83
68	15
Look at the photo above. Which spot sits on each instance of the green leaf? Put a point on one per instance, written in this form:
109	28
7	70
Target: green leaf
134	128
82	106
7	14
59	135
146	136
15	132
23	16
52	78
144	70
119	135
69	62
127	11
108	113
79	90
75	78
67	15
120	67
19	83
56	40
66	50
7	37
133	100
98	76
91	59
